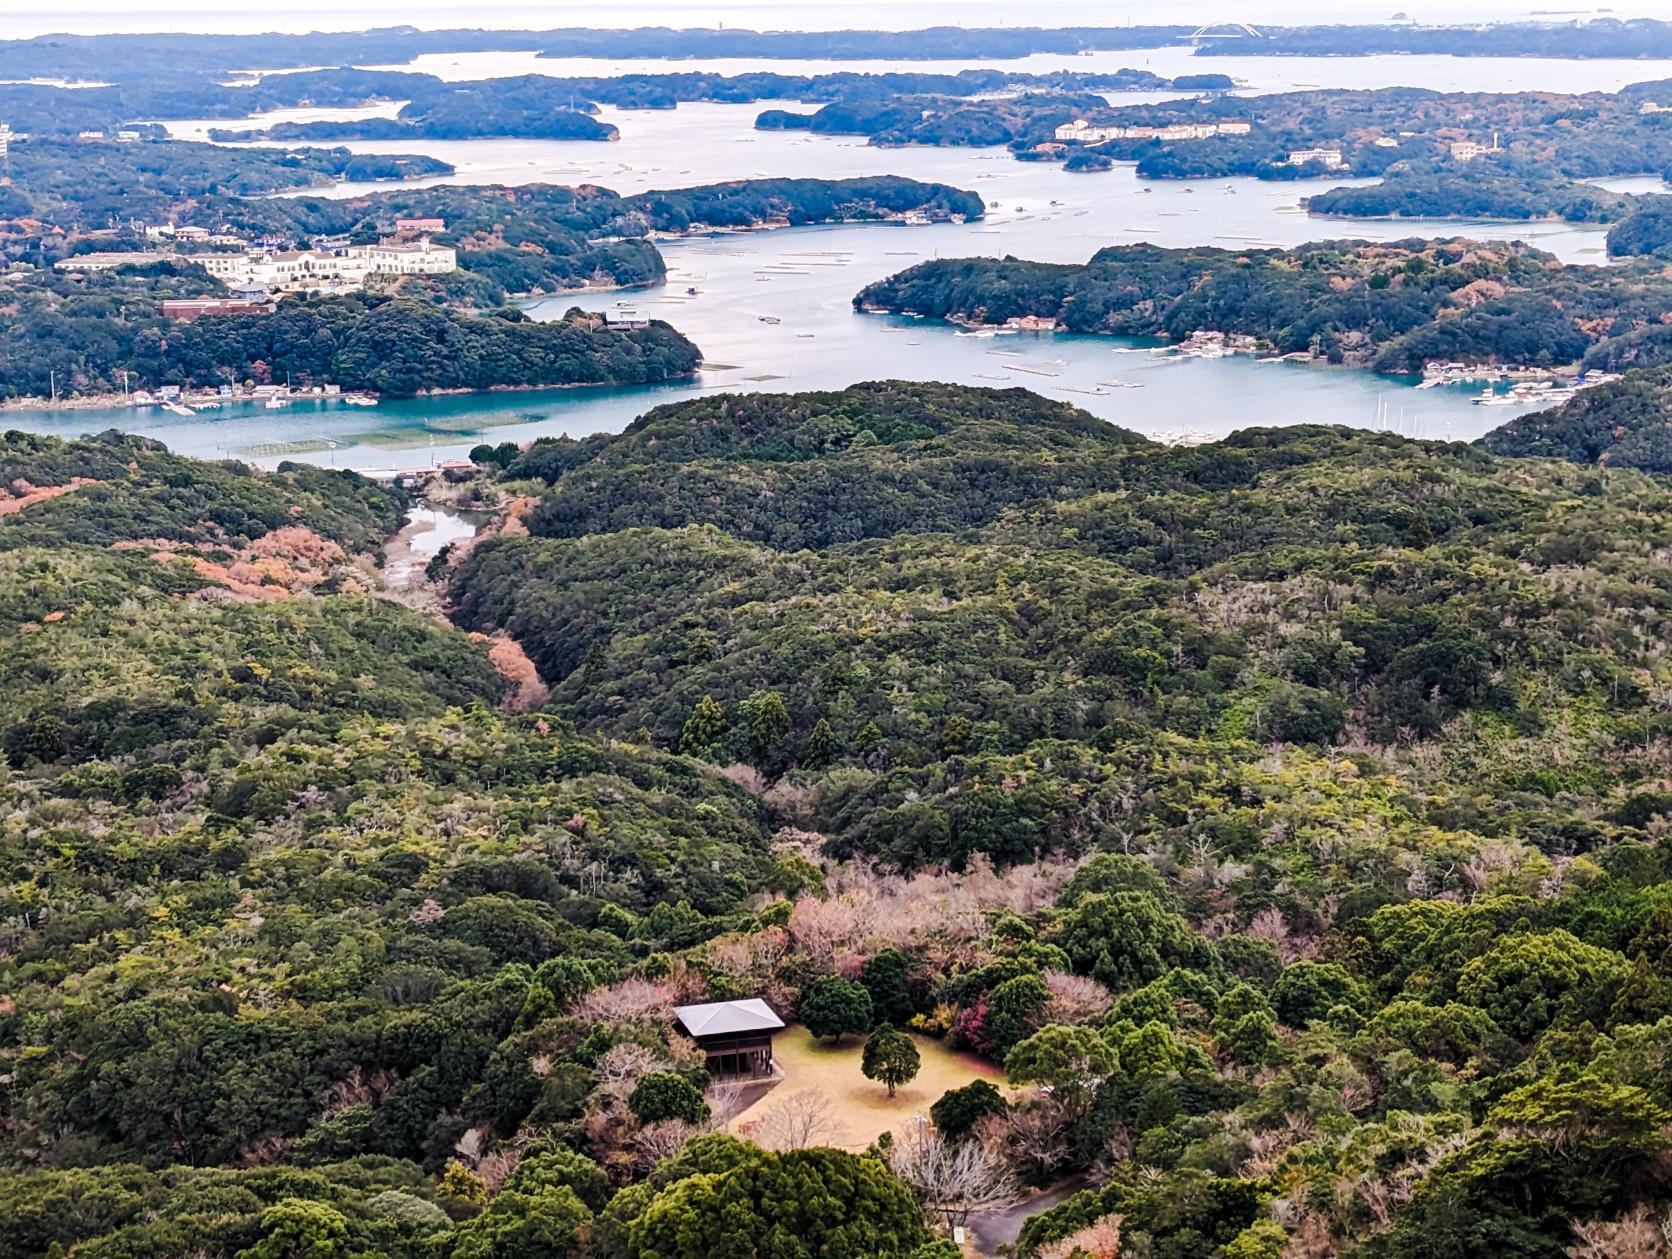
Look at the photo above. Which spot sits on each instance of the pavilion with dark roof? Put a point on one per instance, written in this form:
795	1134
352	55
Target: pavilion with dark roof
736	1035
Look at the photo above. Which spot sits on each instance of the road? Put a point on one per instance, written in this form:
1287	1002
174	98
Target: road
989	1230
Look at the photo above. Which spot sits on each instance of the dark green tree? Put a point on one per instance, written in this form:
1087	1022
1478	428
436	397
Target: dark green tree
959	1110
885	977
890	1057
766	721
1014	1009
665	1095
705	729
1070	1061
821	745
832	1007
806	1204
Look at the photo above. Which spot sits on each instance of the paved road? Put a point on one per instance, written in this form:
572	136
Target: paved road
989	1230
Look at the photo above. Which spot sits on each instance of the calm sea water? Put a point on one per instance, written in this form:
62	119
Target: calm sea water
805	279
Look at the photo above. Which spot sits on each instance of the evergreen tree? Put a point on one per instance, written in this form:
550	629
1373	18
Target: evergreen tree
890	1057
884	977
705	728
833	1007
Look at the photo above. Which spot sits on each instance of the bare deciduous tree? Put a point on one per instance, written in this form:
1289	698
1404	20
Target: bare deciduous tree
823	928
621	1066
657	1141
726	1100
1035	1133
629	999
496	1168
1098	1240
1074	998
952	1178
1638	1235
798	1121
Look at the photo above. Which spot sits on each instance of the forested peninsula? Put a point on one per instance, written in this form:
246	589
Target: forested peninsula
71	184
66	331
1488	189
1282	822
367	342
1579	135
527	238
1391	307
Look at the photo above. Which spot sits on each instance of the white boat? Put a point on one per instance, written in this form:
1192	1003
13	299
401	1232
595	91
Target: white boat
359	400
273	404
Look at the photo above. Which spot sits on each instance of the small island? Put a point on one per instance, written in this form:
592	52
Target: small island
1484	189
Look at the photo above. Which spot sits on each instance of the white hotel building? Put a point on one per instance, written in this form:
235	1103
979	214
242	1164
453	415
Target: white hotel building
304	270
1082	132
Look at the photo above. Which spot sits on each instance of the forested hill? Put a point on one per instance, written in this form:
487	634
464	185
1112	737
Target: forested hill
1624	424
929	496
814	469
1286	818
96	334
1391	307
522	239
1370	733
276	865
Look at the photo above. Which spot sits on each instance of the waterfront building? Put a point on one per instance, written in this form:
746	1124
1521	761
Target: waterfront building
1082	132
1330	158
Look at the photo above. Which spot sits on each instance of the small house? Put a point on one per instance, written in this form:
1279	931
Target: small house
736	1035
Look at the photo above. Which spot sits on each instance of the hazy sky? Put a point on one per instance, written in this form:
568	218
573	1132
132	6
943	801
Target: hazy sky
22	18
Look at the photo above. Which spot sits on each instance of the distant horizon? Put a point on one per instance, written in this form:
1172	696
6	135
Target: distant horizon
300	17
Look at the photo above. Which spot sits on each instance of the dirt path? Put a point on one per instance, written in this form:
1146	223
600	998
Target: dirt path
989	1230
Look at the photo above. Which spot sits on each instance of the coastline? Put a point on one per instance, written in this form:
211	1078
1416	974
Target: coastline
1451	218
1261	353
115	401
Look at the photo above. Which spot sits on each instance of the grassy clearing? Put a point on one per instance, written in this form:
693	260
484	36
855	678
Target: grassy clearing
861	1109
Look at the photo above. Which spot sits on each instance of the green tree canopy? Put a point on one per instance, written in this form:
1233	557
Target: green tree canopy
890	1057
833	1007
